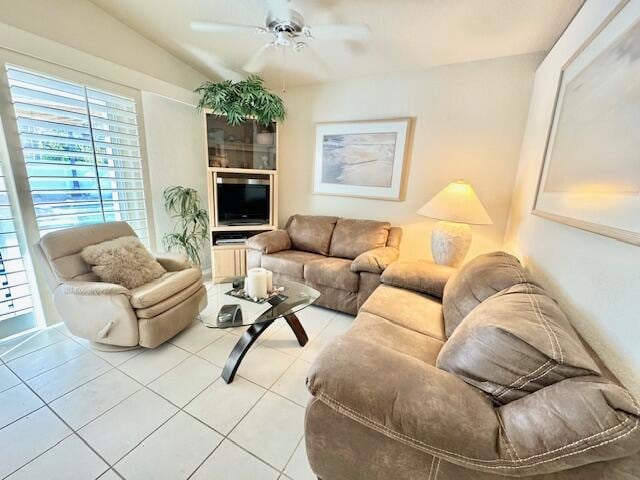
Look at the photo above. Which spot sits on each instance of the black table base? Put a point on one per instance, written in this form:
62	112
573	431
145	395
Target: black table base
250	336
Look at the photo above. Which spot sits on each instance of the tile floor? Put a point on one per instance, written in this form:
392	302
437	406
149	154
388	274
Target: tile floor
70	412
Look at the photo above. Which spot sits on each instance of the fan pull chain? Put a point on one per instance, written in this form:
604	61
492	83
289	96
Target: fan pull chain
284	71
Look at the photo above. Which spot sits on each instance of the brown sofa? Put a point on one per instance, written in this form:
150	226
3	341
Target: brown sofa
341	258
468	375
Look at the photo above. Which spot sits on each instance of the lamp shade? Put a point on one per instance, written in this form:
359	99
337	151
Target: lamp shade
457	202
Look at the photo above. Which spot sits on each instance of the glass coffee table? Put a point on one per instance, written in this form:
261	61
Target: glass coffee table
257	316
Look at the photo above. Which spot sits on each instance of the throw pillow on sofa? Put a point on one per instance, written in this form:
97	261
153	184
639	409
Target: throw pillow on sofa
311	233
124	261
515	343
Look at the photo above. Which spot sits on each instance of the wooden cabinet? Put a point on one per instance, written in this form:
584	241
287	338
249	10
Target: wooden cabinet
228	261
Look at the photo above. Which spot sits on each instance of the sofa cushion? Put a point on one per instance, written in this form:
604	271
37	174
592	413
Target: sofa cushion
421	276
311	233
353	237
476	281
164	287
124	261
289	262
409	309
381	332
515	343
332	272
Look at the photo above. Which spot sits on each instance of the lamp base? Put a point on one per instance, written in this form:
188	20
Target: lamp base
450	243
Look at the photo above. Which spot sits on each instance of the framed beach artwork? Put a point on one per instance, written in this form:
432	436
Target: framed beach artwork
361	159
591	172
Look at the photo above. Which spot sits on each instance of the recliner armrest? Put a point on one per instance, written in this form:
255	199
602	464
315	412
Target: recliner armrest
74	287
173	262
376	260
420	276
407	400
270	242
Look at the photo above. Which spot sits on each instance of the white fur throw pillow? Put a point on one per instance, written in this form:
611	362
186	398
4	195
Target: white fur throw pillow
124	261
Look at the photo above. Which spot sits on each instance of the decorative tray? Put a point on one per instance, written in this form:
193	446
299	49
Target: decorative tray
241	294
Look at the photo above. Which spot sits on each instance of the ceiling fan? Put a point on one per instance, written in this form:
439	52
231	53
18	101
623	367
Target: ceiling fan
287	29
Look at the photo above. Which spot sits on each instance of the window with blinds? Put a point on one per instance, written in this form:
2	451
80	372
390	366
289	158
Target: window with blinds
82	152
16	304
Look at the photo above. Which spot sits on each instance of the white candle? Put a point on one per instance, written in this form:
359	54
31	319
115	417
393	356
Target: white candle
269	281
256	283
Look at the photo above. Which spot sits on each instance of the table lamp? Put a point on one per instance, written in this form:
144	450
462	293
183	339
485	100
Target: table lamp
457	206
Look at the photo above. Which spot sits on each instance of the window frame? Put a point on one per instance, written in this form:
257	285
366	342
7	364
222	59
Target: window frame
15	167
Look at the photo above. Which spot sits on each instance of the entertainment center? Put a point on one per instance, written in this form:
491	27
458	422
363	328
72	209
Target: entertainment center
242	189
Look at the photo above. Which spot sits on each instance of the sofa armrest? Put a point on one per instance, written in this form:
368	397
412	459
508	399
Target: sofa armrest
270	242
407	400
420	276
575	422
376	260
173	262
73	287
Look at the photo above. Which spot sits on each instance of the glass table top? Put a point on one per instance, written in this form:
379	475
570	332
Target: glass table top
293	298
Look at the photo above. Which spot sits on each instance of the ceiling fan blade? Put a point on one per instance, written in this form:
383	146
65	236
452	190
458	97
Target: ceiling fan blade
279	9
339	31
211	63
319	62
214	27
259	59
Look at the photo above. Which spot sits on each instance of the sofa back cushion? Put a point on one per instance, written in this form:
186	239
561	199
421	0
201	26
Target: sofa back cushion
311	233
353	237
515	343
476	281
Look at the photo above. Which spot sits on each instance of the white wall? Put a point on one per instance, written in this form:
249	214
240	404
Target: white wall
595	278
86	27
176	145
468	123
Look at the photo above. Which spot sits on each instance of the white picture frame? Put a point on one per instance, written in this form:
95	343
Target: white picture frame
361	158
590	175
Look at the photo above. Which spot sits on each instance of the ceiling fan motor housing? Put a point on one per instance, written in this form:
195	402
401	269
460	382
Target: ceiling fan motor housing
293	25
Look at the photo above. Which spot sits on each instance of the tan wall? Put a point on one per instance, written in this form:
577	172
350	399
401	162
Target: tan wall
468	123
595	278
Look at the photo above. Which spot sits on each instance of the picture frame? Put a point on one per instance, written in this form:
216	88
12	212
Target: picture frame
590	174
361	158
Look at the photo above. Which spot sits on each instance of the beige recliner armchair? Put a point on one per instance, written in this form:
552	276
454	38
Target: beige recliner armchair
110	315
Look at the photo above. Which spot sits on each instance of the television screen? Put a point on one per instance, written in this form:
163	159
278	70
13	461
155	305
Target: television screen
242	203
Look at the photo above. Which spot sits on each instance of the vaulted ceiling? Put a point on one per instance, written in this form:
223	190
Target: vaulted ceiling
406	35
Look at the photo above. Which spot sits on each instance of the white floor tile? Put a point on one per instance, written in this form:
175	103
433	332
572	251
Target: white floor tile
315	319
39	361
94	398
70	459
119	430
16	403
338	325
230	461
7	378
280	337
181	384
264	365
62	328
60	380
172	452
218	352
150	364
109	475
196	337
27	438
293	383
271	430
30	343
298	467
117	358
221	406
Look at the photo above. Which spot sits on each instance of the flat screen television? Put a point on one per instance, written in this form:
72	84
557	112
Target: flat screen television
243	201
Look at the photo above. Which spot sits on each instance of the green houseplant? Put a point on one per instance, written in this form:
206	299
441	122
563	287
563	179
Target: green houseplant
239	100
192	227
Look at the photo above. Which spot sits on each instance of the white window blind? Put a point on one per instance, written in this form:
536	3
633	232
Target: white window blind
82	152
15	294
